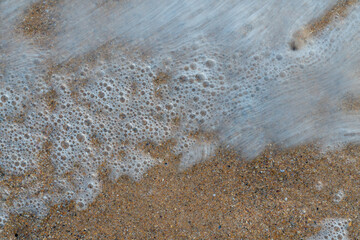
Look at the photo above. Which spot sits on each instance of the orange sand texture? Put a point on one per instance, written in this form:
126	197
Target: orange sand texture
282	194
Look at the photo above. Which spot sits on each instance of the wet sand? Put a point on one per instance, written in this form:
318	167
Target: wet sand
282	194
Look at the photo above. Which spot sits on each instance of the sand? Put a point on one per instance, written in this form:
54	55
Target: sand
282	194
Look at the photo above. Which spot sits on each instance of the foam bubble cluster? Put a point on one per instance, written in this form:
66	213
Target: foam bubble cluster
332	229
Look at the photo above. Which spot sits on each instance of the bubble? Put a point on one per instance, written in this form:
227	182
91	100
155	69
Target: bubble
193	66
101	94
80	137
64	145
4	98
210	63
200	77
